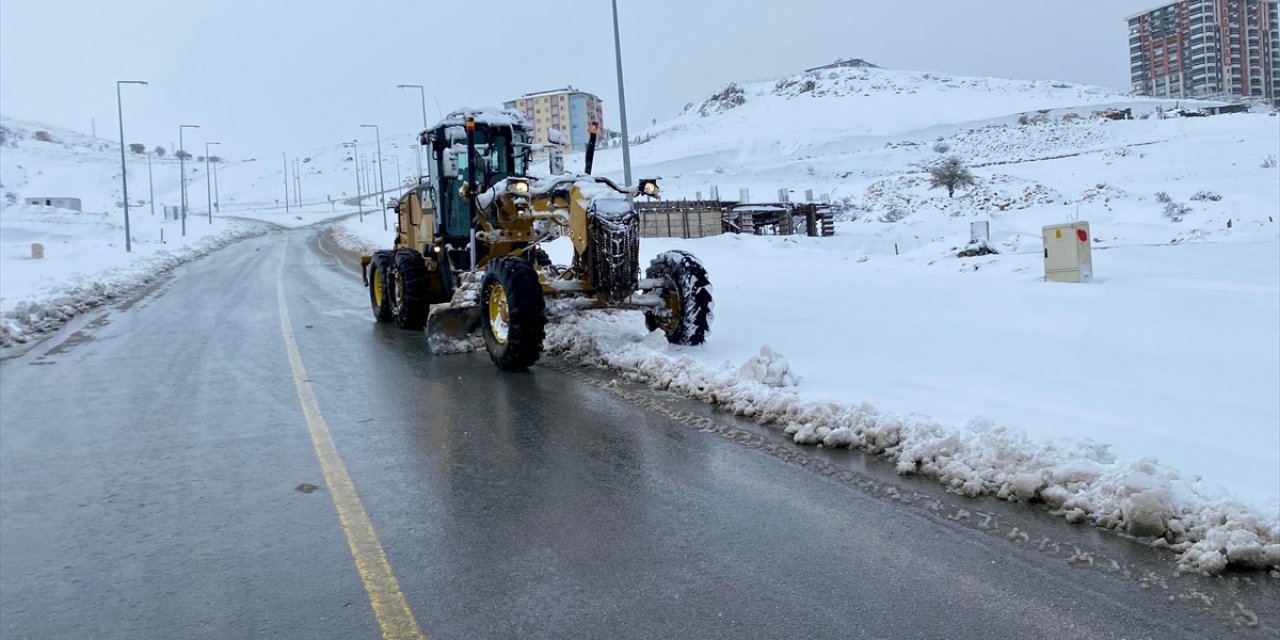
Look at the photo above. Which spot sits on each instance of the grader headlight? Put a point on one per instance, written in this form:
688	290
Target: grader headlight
518	186
649	187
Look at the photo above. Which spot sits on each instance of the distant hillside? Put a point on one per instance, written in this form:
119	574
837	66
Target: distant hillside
43	160
816	107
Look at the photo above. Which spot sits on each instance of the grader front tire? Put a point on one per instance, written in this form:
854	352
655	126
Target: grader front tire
512	313
686	295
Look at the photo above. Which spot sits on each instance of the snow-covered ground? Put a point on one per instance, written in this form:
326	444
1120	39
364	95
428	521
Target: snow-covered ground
1148	400
85	263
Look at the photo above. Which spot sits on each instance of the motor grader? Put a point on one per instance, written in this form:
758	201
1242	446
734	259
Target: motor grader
468	254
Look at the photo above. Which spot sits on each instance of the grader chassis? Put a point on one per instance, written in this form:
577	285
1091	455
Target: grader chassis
468	255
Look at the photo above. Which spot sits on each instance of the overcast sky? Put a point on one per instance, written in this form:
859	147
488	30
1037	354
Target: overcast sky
272	75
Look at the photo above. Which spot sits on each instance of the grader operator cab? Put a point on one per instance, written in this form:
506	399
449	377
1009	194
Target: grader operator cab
468	251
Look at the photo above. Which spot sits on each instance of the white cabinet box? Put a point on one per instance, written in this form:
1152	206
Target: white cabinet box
1068	256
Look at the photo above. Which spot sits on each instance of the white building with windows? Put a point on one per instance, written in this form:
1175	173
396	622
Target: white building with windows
50	201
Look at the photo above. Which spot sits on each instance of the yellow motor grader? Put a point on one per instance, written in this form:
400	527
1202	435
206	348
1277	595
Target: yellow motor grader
468	251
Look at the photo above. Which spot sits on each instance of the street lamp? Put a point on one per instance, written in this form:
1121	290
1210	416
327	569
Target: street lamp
217	197
622	101
124	176
208	181
399	180
382	186
355	153
284	161
151	185
182	169
422	93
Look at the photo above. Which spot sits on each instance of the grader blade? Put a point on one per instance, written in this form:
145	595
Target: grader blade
452	329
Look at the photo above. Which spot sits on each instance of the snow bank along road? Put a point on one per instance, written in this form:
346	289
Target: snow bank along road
242	453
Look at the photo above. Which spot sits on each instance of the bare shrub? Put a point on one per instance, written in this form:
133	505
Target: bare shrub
1176	211
892	215
1211	196
1163	198
950	173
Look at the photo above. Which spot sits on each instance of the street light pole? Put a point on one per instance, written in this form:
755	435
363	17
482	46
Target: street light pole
284	161
124	176
355	155
399	180
208	179
422	93
622	101
151	185
217	199
382	186
182	168
297	182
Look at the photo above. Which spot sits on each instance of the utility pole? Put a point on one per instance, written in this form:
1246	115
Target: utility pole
399	181
355	155
124	175
151	185
382	185
208	180
284	161
422	93
217	201
182	168
622	101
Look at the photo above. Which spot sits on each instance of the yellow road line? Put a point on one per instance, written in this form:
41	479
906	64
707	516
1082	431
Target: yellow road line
389	605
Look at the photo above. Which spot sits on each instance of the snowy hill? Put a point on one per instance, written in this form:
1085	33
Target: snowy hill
821	110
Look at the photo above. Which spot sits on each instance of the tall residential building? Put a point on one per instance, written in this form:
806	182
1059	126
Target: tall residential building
1207	48
569	110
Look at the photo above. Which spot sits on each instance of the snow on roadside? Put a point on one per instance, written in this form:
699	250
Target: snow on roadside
41	296
1080	481
360	237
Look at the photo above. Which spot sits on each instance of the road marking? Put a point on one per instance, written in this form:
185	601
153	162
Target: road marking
389	605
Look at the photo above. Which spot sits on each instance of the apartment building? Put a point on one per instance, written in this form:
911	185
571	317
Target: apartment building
569	110
1207	48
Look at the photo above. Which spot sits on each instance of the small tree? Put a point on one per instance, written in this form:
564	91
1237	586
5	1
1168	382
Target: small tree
950	173
138	148
182	154
159	151
215	159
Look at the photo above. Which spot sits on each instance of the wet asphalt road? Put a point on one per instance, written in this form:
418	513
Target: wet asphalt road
150	455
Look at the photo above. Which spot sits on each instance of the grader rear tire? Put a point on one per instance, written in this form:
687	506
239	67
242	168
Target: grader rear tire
686	320
411	292
380	287
512	313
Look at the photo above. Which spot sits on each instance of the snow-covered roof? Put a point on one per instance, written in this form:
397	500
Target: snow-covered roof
484	115
568	89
